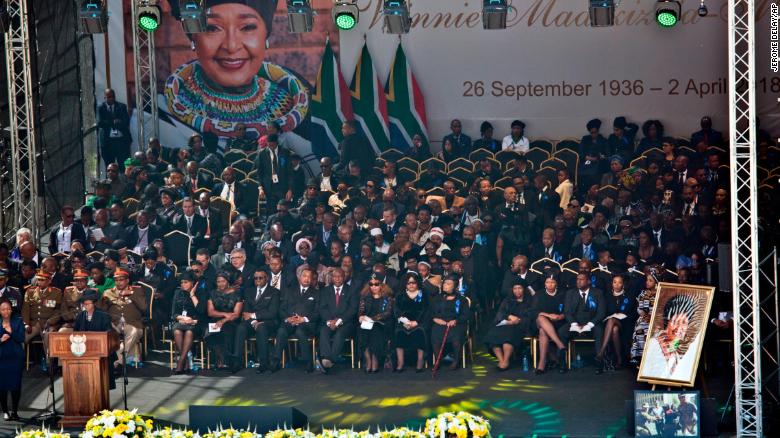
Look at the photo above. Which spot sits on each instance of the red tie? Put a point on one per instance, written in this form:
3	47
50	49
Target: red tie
338	296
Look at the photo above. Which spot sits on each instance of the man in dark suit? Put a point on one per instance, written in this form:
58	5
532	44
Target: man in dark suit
191	224
547	248
276	237
114	137
66	232
338	313
232	191
586	249
584	310
195	180
274	168
279	277
260	317
355	147
214	227
298	311
238	259
141	235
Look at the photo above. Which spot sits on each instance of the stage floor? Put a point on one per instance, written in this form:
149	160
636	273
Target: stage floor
578	403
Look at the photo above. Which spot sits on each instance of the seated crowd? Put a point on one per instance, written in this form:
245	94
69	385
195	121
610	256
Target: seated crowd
195	245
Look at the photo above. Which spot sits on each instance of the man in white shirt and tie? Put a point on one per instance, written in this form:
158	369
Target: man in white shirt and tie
61	238
584	313
298	310
259	317
338	311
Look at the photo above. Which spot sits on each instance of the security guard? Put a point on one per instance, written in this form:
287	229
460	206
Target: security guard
41	309
127	307
71	300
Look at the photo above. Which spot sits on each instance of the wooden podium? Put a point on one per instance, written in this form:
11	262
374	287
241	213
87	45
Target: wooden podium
85	373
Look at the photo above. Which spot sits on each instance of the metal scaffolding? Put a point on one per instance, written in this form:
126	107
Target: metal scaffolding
145	78
26	201
744	230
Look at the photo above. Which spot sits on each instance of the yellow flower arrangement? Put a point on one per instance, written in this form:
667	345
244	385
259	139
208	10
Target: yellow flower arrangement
399	432
173	433
231	433
117	423
41	433
290	433
457	425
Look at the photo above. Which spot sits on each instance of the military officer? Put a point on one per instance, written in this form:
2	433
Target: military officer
127	307
41	309
71	299
9	292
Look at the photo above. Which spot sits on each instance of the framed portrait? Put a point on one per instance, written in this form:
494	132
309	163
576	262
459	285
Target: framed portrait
666	413
676	334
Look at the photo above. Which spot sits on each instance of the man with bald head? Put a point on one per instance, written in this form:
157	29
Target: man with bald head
114	137
231	190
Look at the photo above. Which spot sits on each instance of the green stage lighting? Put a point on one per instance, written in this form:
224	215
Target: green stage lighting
149	15
667	13
345	15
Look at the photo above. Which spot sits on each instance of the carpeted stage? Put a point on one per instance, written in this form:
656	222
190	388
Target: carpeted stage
579	403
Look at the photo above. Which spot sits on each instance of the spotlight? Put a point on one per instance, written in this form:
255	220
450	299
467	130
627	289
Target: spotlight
667	12
149	15
193	16
602	13
345	14
93	16
397	19
299	16
494	14
703	9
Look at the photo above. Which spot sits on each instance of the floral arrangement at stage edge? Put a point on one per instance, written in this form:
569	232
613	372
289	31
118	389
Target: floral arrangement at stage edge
290	433
231	433
173	433
399	432
457	425
117	423
41	433
344	433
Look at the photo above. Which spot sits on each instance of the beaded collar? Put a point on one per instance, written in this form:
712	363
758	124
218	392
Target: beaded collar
276	94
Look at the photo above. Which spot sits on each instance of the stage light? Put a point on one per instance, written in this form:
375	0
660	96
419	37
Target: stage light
149	15
345	14
93	16
494	14
193	16
667	12
299	16
703	9
602	13
397	18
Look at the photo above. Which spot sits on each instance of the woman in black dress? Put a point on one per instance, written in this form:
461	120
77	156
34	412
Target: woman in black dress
11	356
411	312
375	314
189	315
510	325
224	312
621	310
449	310
548	306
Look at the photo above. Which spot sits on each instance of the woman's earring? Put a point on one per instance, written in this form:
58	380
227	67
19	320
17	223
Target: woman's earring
267	44
192	45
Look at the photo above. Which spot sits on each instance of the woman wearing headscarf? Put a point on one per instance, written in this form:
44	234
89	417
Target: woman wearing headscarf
510	325
229	82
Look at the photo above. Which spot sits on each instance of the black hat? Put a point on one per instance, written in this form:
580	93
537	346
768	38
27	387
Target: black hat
620	122
593	123
187	276
312	183
89	295
150	254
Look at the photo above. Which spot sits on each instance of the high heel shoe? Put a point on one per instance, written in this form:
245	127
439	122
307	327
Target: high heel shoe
398	370
538	371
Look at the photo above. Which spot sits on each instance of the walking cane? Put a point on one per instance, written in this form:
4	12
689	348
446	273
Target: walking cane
441	350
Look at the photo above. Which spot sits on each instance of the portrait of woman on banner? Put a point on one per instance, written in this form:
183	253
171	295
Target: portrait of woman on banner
676	334
229	82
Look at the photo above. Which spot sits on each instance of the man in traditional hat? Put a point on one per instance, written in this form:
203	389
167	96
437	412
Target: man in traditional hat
10	293
71	299
41	309
127	306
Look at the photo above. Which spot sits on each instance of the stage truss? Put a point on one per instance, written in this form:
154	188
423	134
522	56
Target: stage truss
26	200
145	79
744	228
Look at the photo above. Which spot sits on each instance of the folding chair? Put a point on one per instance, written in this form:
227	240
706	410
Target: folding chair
544	144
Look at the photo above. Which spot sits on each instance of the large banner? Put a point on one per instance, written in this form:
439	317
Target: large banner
554	72
548	68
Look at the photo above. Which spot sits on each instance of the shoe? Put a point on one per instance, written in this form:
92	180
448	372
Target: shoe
309	368
501	370
15	417
6	416
539	372
398	370
261	369
419	370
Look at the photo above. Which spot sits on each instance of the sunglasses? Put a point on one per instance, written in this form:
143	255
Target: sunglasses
374	284
261	277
